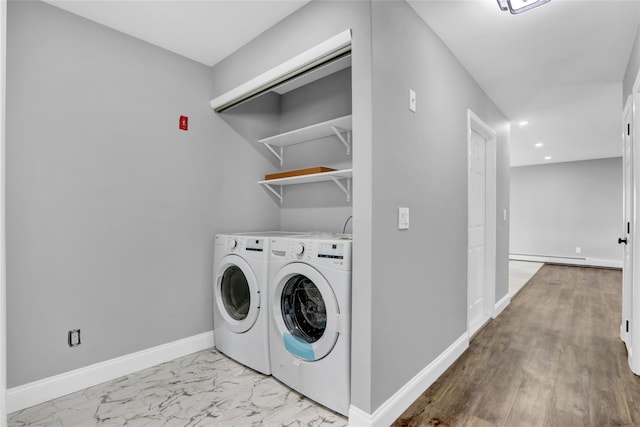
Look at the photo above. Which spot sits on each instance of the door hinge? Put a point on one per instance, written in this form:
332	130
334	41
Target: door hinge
628	227
627	326
628	128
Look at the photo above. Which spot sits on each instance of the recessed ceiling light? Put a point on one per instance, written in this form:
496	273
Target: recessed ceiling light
547	157
539	145
523	123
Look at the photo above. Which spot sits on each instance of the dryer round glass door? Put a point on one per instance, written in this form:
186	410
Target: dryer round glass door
305	311
237	294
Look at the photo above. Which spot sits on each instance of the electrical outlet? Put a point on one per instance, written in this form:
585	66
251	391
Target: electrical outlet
74	338
578	250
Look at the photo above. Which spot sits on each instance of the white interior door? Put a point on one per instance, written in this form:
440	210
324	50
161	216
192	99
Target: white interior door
626	240
476	265
481	235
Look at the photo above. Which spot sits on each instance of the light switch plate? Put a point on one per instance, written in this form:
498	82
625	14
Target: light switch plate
403	218
412	100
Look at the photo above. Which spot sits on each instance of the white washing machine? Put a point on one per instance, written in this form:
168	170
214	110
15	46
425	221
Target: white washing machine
310	327
240	305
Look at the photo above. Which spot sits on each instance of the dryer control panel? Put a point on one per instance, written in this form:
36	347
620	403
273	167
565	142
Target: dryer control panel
256	245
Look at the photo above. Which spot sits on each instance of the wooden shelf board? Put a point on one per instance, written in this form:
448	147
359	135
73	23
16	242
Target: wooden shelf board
306	179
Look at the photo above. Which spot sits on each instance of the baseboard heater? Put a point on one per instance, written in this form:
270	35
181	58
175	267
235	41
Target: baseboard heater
564	260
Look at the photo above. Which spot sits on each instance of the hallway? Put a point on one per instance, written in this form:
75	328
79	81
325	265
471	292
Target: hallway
553	357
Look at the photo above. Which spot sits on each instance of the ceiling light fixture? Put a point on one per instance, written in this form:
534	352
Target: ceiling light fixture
519	6
547	158
523	123
539	145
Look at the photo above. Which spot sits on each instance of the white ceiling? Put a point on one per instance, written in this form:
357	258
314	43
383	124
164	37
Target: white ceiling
203	30
559	66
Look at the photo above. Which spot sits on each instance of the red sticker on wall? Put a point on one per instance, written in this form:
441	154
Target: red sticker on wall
184	123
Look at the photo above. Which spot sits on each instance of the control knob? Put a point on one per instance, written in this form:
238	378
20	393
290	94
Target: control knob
298	248
233	243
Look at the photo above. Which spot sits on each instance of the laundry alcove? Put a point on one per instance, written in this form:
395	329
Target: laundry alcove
298	116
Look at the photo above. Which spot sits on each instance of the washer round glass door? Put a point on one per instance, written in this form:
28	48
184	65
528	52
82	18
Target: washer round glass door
237	294
305	311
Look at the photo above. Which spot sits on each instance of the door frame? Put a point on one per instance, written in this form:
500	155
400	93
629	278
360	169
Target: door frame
634	332
476	124
627	216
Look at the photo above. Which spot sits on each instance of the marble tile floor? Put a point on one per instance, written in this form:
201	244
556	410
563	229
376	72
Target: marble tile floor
201	389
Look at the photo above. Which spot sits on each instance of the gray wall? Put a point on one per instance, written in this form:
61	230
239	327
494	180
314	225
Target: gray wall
246	206
633	66
420	161
111	210
558	207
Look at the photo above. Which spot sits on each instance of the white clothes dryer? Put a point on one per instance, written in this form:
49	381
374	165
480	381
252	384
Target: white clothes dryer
240	305
310	327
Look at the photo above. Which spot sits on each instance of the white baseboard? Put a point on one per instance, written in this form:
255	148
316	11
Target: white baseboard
390	410
359	418
594	262
36	392
476	325
588	262
501	305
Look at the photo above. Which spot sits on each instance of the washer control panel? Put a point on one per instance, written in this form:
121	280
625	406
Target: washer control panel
336	253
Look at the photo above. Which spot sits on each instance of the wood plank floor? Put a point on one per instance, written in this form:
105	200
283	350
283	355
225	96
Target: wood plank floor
553	358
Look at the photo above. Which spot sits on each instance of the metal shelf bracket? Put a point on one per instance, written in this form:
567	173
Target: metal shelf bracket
346	190
279	156
276	193
346	142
